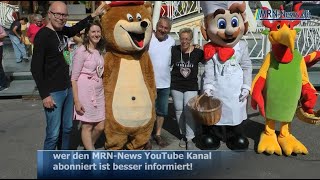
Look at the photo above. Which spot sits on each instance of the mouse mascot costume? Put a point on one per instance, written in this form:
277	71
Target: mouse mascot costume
228	71
282	80
128	78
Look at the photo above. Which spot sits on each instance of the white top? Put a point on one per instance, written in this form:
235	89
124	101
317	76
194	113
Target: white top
227	79
160	54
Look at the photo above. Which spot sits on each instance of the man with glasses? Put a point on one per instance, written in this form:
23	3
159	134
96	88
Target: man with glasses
50	71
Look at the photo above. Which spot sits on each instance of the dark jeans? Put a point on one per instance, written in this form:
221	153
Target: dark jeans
3	79
162	102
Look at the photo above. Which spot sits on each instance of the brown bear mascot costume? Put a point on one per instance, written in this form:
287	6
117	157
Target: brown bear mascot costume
128	78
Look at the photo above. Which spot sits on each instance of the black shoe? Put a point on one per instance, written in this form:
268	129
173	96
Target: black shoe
159	140
237	142
209	142
19	62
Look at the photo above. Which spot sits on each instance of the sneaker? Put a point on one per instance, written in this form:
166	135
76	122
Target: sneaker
191	145
182	143
160	141
25	59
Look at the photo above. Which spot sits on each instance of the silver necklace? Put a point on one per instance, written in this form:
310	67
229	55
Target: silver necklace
62	44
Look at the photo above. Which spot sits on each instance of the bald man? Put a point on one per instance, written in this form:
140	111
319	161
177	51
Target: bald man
50	71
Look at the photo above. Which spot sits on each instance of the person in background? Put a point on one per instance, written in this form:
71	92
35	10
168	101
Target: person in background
3	79
34	28
160	54
184	84
17	40
73	43
25	39
50	71
87	86
76	41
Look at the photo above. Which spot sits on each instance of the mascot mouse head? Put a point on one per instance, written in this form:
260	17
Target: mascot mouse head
127	26
224	22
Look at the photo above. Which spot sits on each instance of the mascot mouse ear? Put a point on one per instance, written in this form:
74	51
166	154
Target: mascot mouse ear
203	29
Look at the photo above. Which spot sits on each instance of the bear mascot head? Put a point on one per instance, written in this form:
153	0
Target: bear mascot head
129	84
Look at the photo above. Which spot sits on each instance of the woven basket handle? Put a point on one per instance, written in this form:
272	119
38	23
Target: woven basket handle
197	101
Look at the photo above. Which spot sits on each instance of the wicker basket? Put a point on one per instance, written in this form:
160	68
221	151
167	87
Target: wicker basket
206	110
308	118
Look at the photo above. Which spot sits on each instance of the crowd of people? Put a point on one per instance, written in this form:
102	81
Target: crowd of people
21	33
73	90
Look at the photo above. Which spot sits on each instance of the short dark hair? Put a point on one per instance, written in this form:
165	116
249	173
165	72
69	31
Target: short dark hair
25	19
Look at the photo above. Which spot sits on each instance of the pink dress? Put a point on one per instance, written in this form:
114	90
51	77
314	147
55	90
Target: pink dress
90	87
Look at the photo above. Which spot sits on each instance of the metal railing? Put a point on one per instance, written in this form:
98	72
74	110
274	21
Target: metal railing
308	39
177	9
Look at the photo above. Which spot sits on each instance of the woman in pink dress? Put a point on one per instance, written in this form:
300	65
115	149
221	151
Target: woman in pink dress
87	85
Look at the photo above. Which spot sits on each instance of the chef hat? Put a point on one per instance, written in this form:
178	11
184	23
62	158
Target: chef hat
209	7
232	2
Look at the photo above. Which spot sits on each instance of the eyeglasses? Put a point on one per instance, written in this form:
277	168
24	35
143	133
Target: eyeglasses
59	15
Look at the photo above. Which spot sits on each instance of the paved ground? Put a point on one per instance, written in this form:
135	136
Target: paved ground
22	130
